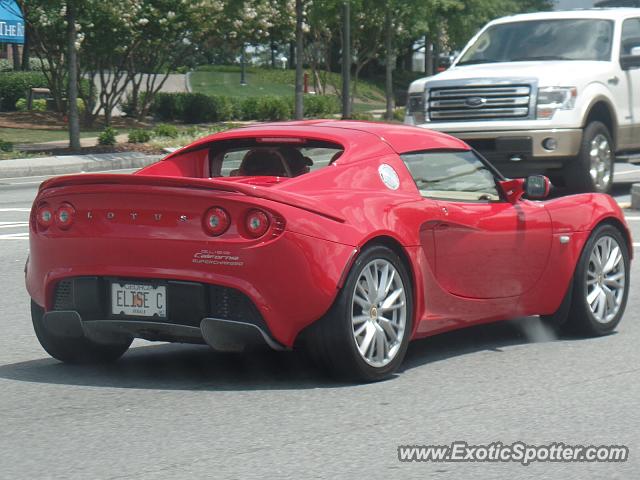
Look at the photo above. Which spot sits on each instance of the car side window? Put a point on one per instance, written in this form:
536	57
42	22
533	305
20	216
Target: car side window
630	35
452	175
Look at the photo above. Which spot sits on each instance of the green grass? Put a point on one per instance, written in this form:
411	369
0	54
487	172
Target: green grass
26	135
225	80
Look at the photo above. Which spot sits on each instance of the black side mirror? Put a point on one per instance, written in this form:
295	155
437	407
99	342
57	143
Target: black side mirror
632	59
536	187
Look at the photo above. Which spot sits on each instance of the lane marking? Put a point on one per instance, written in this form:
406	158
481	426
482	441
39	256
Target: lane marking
15	236
15	225
15	209
636	244
632	218
626	172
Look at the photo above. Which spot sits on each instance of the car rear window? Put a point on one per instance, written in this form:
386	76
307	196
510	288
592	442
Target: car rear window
270	159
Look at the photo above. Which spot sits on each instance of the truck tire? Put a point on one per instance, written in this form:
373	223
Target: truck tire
592	169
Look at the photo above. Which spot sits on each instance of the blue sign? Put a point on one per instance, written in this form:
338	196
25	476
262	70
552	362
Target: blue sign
11	22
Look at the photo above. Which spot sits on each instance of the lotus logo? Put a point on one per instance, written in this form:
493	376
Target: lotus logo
475	102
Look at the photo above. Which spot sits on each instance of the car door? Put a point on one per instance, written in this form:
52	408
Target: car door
485	246
630	39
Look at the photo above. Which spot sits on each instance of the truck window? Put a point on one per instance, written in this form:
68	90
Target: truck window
566	39
630	35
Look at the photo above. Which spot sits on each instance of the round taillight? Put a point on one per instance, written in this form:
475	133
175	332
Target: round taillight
44	216
65	216
257	223
216	221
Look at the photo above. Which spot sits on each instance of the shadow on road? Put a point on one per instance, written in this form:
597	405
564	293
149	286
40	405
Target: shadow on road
193	367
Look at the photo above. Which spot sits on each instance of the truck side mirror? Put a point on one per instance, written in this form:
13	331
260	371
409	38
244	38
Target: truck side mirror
536	187
632	59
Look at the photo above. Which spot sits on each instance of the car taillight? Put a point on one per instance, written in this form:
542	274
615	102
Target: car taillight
216	221
64	216
257	223
44	216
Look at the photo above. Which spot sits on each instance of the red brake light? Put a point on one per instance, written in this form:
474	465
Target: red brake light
257	223
216	221
44	216
65	216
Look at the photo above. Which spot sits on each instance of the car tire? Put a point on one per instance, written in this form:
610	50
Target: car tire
75	350
364	336
588	315
592	169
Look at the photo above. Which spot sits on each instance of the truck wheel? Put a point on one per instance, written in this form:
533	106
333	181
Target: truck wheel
592	169
75	350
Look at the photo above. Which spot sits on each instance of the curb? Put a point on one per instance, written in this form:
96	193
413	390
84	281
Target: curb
635	196
60	165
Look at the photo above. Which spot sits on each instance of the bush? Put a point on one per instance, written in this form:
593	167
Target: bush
139	136
6	146
362	116
398	114
21	105
165	130
16	85
108	136
318	106
272	108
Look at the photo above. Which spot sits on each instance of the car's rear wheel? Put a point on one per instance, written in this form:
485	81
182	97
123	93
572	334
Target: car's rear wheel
72	349
365	335
592	169
600	284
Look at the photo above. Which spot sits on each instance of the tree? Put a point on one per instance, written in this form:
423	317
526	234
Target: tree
74	121
299	105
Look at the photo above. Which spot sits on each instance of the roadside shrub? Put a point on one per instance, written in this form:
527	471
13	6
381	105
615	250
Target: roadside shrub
168	106
249	108
15	85
398	114
362	116
21	105
108	136
166	130
139	136
318	106
272	108
6	146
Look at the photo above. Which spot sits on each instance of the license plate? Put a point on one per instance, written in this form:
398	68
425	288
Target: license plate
139	300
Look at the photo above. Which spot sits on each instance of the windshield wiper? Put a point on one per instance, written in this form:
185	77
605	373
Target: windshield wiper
539	57
480	60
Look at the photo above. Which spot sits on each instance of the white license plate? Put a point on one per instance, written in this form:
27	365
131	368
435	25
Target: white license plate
139	300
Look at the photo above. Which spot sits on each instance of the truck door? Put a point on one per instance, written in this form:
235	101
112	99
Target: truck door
630	134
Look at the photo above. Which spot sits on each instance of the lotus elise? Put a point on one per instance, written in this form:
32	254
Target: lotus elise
347	238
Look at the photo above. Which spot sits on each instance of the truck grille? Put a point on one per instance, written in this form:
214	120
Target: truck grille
479	102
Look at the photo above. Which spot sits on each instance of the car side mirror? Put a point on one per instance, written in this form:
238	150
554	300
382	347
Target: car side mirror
631	60
536	187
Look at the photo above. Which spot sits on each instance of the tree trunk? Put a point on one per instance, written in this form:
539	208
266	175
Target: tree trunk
273	54
299	114
25	51
389	62
346	59
72	94
428	56
292	55
15	53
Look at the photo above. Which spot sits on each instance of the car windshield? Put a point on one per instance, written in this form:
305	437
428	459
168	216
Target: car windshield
570	39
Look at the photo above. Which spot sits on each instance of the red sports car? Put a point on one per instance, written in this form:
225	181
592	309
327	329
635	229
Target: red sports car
348	238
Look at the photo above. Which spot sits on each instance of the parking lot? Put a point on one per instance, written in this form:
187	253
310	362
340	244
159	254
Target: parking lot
184	411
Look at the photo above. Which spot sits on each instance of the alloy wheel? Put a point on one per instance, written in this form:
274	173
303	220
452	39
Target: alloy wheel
606	279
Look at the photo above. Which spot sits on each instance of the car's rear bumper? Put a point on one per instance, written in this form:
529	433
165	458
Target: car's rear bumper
282	285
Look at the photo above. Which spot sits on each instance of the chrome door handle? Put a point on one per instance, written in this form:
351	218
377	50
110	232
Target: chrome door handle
613	81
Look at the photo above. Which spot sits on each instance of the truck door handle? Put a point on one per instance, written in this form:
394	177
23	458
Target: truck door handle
613	81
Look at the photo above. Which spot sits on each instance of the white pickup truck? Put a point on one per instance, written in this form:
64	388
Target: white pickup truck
556	93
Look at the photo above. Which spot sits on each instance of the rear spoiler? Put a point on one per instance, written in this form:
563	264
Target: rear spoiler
267	193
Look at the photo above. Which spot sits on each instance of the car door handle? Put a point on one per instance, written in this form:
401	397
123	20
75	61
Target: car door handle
613	81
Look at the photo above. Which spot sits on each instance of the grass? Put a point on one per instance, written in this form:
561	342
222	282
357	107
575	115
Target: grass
225	80
187	135
28	135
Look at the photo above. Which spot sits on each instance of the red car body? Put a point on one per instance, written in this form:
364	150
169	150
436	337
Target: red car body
469	262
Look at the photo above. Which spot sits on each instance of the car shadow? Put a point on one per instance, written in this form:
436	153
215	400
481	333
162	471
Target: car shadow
195	367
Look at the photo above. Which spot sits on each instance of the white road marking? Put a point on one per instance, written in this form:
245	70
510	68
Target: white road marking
15	236
15	209
627	172
632	218
636	244
13	224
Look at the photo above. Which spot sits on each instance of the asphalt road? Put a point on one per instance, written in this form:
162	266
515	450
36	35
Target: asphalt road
176	411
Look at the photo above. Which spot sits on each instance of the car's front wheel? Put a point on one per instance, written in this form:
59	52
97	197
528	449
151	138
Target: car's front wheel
365	335
75	349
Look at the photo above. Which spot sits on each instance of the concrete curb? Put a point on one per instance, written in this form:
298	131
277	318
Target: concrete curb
60	165
635	196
